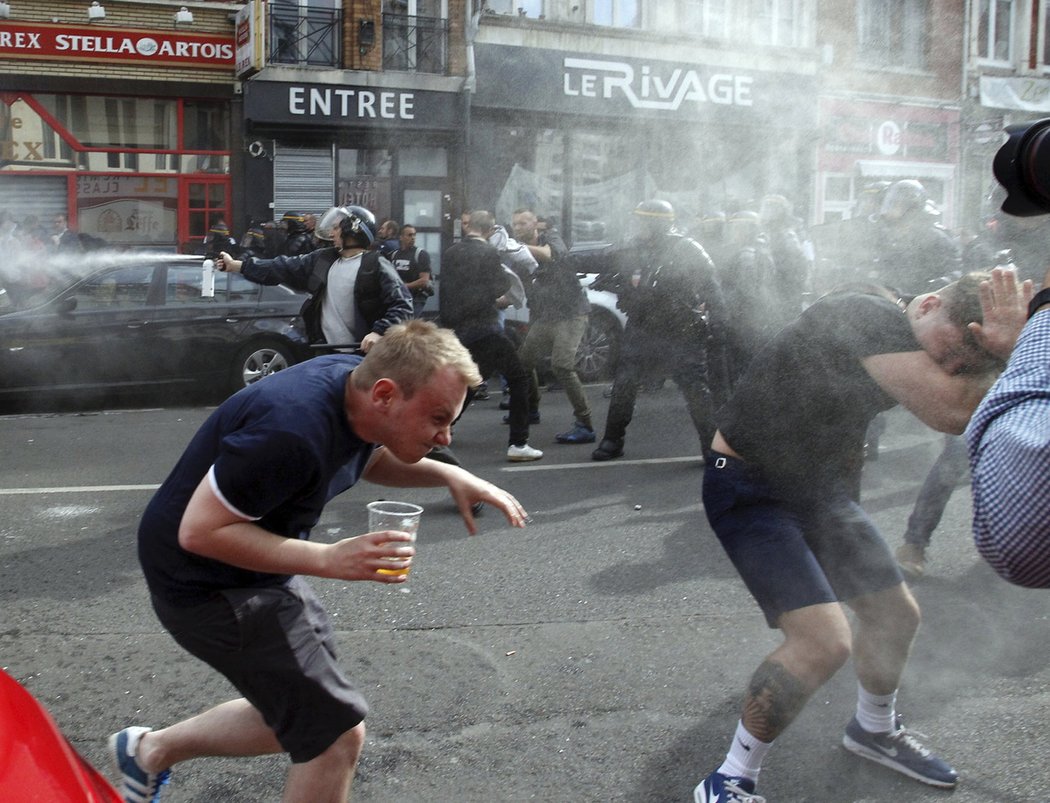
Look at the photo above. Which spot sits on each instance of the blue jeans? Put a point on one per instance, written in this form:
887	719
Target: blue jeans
945	475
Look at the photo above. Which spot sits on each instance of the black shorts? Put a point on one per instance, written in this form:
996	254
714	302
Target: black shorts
275	646
815	547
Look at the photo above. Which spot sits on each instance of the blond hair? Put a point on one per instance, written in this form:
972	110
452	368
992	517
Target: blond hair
410	353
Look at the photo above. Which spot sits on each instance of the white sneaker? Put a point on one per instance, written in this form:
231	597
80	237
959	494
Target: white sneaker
523	454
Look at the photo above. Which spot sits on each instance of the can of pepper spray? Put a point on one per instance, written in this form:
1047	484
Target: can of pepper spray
208	279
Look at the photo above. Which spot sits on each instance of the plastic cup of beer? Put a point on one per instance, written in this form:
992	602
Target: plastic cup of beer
400	516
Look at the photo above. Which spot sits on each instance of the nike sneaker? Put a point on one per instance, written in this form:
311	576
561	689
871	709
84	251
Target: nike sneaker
902	751
719	788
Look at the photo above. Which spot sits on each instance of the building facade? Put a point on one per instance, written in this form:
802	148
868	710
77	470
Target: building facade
889	102
362	105
581	111
119	117
144	120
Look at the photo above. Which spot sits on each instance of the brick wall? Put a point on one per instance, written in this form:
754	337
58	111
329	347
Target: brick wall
208	18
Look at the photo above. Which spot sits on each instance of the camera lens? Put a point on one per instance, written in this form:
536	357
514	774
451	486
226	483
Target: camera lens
1022	166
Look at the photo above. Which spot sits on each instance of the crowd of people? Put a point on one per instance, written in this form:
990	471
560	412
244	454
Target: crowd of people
782	385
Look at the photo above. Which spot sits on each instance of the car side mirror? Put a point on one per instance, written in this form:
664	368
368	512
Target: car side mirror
67	305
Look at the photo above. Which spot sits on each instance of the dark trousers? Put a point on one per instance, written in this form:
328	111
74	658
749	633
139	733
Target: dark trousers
945	475
646	354
495	353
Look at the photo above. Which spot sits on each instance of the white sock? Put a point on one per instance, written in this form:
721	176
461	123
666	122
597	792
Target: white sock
744	758
876	712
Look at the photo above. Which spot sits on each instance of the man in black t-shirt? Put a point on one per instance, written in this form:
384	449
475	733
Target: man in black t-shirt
472	279
413	266
781	490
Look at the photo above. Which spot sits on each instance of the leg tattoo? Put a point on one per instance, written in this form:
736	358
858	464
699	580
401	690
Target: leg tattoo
774	698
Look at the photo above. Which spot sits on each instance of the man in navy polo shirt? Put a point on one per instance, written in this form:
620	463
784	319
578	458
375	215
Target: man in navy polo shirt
225	538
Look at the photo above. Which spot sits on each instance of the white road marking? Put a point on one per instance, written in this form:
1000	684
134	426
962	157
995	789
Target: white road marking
537	466
75	489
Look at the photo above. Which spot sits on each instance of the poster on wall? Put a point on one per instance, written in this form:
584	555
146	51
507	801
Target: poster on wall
131	211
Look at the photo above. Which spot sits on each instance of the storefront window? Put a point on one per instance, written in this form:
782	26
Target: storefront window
524	167
114	132
27	140
422	208
97	121
608	177
354	162
423	162
598	175
128	210
205	125
364	179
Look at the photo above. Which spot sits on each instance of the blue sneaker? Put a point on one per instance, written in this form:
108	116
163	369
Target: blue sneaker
900	750
718	788
136	785
580	433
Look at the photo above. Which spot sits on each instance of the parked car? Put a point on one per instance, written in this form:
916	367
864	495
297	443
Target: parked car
134	321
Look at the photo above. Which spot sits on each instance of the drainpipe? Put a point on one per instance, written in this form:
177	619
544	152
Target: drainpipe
965	105
469	86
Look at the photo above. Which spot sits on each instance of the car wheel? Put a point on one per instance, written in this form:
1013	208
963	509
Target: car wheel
258	360
599	349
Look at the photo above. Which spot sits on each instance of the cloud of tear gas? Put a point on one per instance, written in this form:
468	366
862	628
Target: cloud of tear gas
30	276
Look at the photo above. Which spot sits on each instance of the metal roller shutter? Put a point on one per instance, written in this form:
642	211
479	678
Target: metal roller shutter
303	179
43	196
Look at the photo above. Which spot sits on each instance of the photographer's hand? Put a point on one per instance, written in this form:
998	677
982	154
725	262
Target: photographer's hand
1004	306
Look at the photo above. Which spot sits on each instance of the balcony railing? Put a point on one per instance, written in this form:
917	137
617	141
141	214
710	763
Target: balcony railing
304	36
415	44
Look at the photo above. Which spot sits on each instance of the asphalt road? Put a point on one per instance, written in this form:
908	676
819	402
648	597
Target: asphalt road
600	654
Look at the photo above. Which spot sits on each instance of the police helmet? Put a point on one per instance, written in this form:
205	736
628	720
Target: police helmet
775	211
654	217
902	198
352	221
294	222
743	226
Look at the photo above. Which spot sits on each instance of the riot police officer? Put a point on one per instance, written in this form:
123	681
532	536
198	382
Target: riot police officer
667	287
298	239
912	249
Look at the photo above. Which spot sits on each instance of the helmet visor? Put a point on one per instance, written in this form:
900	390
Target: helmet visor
328	225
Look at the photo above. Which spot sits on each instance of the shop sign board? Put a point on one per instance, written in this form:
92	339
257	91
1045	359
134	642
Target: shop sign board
338	104
65	42
613	86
